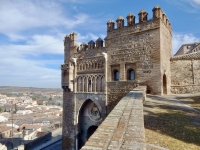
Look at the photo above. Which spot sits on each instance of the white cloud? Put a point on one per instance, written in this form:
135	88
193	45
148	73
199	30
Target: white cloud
194	2
26	65
20	15
24	72
190	6
19	68
179	39
37	45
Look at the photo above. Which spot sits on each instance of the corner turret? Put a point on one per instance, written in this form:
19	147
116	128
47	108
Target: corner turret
73	37
157	12
120	22
83	46
142	16
130	19
91	44
110	25
99	43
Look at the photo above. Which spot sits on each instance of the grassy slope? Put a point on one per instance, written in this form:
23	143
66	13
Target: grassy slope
171	125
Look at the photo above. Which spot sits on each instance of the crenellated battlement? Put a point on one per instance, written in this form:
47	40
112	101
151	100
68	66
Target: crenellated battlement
91	45
70	40
143	19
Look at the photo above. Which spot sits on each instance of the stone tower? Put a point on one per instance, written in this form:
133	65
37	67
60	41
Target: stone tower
96	76
68	74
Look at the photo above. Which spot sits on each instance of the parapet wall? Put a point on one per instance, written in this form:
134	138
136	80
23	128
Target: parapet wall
143	20
31	144
124	126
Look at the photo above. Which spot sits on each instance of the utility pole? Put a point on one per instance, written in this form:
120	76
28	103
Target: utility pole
60	120
12	128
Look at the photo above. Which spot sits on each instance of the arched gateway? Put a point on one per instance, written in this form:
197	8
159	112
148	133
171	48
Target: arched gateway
89	118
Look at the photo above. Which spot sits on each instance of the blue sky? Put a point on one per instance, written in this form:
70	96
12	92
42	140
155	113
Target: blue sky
32	32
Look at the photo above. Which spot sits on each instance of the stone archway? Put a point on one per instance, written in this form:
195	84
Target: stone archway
88	120
164	84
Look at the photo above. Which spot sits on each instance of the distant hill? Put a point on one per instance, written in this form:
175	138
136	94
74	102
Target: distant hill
9	89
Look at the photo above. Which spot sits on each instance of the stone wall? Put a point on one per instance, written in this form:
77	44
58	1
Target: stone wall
165	55
39	140
185	76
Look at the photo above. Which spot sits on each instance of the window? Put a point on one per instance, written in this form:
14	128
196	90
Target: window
89	85
116	75
131	74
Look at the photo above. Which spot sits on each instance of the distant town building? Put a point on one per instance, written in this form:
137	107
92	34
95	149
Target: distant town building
188	48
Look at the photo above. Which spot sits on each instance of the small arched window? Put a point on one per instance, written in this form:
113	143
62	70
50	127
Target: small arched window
131	74
89	85
116	75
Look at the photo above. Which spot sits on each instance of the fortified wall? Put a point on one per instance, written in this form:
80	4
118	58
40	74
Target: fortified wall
185	70
96	77
144	47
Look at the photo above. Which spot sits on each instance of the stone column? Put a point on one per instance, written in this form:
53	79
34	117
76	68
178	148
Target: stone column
106	78
122	72
95	85
75	75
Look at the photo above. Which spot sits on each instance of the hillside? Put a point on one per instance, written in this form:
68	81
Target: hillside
13	89
172	122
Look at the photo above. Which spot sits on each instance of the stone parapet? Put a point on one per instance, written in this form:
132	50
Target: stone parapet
124	126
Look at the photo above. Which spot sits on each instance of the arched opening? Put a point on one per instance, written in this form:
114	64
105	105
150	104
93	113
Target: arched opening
164	84
89	117
79	84
91	130
89	85
131	74
103	84
93	84
85	85
98	84
116	75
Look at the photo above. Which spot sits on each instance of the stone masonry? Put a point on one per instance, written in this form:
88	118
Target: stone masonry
185	70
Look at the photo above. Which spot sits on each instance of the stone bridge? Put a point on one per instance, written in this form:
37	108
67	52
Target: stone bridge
123	128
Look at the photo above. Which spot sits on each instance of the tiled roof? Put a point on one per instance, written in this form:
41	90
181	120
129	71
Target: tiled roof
194	55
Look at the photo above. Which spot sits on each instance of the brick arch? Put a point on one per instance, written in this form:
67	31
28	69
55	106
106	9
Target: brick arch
85	119
164	84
